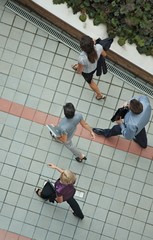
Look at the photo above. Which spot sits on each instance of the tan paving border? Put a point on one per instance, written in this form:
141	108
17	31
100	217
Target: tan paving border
77	34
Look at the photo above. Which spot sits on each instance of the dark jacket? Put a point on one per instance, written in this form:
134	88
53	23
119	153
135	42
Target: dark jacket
101	64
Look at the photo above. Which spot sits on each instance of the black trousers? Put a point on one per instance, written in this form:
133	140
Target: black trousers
140	138
75	207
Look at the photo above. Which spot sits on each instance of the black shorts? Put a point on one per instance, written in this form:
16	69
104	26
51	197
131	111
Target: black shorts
88	76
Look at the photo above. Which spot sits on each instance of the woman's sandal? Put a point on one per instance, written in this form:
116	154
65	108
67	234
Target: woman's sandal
75	66
101	97
37	190
80	160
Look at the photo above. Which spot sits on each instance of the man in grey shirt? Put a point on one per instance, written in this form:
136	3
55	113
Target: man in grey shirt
67	128
133	125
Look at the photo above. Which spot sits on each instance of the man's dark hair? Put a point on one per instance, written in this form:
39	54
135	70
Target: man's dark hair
69	110
136	106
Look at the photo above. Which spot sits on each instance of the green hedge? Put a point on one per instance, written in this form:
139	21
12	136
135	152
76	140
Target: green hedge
130	20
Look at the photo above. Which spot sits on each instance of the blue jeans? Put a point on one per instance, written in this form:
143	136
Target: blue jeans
140	138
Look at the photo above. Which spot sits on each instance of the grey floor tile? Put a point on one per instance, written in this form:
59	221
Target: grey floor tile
19	214
68	230
112	179
109	230
20	60
134	236
4	222
47	95
23	48
62	49
5	67
12	82
133	198
16	33
8	171
12	45
27	230
4	29
8	56
20	136
3	41
120	194
7	210
32	64
117	206
136	186
23	202
92	198
40	233
80	233
125	222
137	226
148	191
32	218
8	132
16	71
35	53
108	190
113	218
15	186
59	61
52	235
14	198
4	182
121	234
128	171
43	68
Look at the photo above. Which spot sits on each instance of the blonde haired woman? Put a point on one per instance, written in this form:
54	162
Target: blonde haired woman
64	190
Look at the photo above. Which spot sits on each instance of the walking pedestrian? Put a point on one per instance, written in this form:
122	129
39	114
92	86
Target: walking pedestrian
64	190
67	128
134	122
87	62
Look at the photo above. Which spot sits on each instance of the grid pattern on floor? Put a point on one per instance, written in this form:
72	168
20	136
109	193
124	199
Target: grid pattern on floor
36	77
50	29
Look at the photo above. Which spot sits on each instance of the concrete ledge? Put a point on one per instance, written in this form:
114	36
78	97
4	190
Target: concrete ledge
116	58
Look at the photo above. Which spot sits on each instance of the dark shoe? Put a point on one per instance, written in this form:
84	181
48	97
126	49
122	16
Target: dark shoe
143	146
99	131
78	216
38	191
80	159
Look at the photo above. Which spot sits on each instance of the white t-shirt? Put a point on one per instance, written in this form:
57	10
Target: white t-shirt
83	59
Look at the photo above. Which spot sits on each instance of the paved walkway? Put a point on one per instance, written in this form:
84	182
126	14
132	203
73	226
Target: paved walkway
116	181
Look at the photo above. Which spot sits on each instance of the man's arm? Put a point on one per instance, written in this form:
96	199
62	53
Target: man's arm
62	138
87	127
129	132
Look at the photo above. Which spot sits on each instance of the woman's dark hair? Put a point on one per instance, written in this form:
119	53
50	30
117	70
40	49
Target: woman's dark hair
87	45
136	106
69	110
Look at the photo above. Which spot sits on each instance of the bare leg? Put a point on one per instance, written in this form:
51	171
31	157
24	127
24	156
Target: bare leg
95	88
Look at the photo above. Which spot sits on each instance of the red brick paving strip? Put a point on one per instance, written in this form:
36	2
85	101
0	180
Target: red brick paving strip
43	118
5	235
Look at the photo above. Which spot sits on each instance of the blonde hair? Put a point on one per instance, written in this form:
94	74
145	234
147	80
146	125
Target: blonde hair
67	177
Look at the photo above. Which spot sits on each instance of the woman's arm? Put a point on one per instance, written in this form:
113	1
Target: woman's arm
104	54
59	199
79	68
53	166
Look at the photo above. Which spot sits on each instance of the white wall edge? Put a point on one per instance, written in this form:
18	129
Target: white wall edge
127	51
